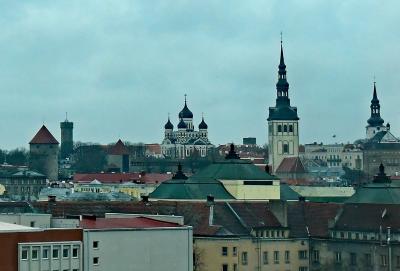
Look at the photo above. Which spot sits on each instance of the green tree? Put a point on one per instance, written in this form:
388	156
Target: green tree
89	158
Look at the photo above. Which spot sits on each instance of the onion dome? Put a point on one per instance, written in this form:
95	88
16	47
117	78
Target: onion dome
182	124
203	125
169	125
185	113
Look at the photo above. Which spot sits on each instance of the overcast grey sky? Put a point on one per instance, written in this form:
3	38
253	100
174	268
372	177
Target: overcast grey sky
119	67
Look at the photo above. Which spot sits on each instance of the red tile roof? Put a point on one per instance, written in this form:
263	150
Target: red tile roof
109	178
291	165
369	217
43	136
125	223
119	149
311	217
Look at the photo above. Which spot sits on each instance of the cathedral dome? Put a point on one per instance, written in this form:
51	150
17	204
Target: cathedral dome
169	125
182	124
203	125
185	113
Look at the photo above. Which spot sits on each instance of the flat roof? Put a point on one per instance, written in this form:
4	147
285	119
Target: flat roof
125	223
8	227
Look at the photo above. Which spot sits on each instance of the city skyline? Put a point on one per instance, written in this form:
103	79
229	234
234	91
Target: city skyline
119	71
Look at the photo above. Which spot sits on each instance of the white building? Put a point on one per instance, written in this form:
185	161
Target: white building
185	142
335	155
283	128
136	243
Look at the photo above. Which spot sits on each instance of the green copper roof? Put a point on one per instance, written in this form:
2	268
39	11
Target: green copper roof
233	169
190	189
386	193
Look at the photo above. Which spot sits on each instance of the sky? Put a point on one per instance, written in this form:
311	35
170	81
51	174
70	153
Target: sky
119	67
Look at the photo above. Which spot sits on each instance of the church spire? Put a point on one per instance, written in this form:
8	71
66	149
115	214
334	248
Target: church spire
375	119
282	86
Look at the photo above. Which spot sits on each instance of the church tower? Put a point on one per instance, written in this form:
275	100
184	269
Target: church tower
375	122
67	140
283	129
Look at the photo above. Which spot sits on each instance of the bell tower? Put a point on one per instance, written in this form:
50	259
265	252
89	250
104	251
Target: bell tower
283	128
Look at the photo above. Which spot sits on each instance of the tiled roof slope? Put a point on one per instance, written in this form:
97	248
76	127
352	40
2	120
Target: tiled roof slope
119	149
310	218
121	177
291	165
196	214
369	217
43	136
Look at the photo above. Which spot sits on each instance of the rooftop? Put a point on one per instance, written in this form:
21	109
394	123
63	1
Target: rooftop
43	136
125	223
8	227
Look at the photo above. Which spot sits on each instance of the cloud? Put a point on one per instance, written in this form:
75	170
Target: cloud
119	67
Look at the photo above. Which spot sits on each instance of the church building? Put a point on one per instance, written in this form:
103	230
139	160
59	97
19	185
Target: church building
283	129
185	142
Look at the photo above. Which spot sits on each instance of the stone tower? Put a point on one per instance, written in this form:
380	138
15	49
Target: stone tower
43	155
375	122
283	129
67	140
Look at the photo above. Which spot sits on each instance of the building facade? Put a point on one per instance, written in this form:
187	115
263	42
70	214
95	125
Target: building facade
283	129
185	142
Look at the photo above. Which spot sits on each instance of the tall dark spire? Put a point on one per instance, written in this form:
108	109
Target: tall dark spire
282	110
375	119
282	86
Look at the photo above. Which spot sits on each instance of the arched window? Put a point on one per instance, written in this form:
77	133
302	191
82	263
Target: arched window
279	128
290	128
285	148
285	128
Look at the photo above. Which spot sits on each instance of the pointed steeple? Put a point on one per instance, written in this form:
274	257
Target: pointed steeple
375	119
282	86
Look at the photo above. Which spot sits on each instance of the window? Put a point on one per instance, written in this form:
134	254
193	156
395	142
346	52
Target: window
244	258
75	252
279	128
285	128
383	260
303	268
285	148
95	244
224	251
96	260
55	253
287	256
338	257
316	256
35	254
290	128
368	260
225	267
235	267
302	254
265	257
353	259
65	252
234	251
397	261
45	253
24	254
276	257
32	224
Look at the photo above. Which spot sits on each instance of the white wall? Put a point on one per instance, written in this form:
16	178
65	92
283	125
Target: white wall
167	249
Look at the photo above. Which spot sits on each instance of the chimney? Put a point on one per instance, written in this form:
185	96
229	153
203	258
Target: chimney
51	198
302	199
210	203
267	169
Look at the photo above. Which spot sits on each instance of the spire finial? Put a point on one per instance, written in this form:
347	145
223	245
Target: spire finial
66	116
281	38
185	97
202	115
168	115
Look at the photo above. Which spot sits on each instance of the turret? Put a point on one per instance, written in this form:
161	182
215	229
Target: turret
169	127
203	127
375	122
67	141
